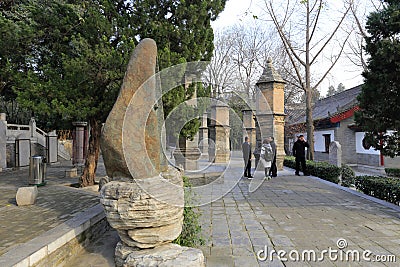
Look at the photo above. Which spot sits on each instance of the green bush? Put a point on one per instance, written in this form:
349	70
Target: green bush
380	187
289	161
348	176
322	170
191	229
395	172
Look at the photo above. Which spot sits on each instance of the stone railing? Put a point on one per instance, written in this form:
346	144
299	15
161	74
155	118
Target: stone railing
16	130
30	140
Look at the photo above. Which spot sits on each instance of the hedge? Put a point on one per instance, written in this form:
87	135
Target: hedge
348	176
325	171
384	188
395	172
322	170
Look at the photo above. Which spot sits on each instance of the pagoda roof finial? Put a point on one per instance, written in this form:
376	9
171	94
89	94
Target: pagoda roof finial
270	74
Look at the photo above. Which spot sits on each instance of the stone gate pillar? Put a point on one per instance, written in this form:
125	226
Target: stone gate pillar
32	124
52	147
203	136
219	132
249	125
3	141
79	143
270	108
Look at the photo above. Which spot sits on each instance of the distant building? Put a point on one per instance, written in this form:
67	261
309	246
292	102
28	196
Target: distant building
334	121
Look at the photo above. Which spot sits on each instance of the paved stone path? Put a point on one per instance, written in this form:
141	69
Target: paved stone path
56	203
295	213
286	213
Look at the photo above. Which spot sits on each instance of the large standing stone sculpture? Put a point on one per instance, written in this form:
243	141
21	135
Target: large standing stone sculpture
144	199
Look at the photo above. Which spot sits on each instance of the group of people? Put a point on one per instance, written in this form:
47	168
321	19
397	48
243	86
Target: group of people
268	156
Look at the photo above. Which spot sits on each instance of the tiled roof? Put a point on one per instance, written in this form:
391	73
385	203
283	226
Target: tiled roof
329	106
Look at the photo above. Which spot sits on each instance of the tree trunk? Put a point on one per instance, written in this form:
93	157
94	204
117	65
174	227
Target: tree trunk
309	91
309	124
89	172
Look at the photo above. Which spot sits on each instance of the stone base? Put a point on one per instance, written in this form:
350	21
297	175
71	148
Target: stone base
168	255
222	157
26	195
71	173
187	158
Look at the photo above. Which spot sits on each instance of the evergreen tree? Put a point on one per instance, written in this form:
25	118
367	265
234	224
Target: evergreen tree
340	88
331	91
71	55
183	33
380	96
72	66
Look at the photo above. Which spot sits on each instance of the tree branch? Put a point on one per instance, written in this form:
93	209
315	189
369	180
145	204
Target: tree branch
330	38
333	64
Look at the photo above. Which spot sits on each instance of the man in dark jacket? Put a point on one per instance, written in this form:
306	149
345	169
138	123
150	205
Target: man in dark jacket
299	151
273	172
246	149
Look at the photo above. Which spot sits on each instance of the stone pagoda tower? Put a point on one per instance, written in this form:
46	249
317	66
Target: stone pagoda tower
270	108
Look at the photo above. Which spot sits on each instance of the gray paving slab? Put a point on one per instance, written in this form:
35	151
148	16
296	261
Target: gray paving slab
286	214
301	213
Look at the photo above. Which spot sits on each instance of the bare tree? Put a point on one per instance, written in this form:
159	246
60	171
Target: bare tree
240	55
304	33
359	12
293	91
253	45
220	72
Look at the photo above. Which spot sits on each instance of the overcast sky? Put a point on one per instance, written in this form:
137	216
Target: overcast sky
242	11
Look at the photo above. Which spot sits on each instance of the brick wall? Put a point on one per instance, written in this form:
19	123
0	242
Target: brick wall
321	156
367	159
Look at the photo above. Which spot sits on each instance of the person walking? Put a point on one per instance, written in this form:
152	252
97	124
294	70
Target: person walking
246	149
273	171
266	157
299	151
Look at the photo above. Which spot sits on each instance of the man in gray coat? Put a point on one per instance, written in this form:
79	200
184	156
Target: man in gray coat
246	149
273	172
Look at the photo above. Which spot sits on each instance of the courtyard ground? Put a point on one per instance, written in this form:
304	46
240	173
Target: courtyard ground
299	216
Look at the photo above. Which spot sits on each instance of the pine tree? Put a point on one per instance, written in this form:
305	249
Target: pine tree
380	96
74	54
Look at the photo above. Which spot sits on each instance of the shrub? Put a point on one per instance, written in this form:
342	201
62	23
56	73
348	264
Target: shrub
289	161
380	187
322	170
191	229
395	172
348	176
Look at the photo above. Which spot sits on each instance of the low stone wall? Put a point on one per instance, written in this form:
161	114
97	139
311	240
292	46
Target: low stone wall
367	159
54	247
75	246
199	179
